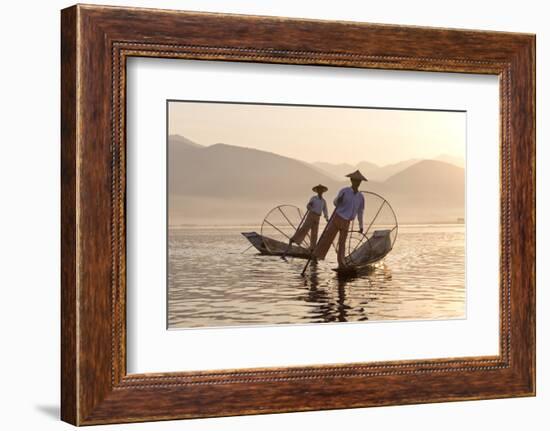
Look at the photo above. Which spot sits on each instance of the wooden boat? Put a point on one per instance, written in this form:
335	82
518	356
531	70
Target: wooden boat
370	251
272	247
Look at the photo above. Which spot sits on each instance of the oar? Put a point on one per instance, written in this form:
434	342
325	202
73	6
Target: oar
322	234
301	221
247	248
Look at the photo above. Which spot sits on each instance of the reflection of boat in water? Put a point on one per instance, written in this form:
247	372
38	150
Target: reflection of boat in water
273	247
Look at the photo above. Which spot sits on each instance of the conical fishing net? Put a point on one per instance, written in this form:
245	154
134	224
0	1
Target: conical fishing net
279	226
378	236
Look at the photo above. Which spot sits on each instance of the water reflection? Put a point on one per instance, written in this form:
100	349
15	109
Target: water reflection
212	283
332	308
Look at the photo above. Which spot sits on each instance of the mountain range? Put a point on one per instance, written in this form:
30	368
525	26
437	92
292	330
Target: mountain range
225	184
376	172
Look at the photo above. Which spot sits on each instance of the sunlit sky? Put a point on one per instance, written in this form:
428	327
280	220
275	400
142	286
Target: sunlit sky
326	134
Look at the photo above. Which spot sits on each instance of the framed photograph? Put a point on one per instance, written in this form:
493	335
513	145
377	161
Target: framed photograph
263	214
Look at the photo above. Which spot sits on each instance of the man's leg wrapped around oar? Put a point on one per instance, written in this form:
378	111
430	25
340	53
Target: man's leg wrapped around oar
311	223
337	225
299	234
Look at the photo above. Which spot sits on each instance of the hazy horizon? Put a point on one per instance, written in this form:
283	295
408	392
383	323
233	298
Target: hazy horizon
319	162
323	134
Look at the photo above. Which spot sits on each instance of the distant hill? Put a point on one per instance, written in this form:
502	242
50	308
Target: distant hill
379	173
178	141
223	170
229	184
432	174
427	191
370	170
457	161
336	171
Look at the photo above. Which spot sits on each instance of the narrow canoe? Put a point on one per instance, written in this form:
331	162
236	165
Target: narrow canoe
372	250
271	247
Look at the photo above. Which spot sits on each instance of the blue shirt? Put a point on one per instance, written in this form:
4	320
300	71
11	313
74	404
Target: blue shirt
317	205
352	205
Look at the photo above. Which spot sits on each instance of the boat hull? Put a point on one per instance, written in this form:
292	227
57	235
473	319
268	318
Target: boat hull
271	247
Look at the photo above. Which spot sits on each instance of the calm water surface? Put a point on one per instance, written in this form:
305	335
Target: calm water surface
211	282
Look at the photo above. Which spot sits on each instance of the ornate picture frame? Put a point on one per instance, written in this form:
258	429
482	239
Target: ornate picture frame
96	41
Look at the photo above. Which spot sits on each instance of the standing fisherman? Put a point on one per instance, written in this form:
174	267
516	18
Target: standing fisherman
349	203
315	207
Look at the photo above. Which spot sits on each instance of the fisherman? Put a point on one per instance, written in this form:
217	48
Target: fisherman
349	204
310	224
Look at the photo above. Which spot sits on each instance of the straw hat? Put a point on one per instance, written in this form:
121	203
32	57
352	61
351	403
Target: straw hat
320	188
357	175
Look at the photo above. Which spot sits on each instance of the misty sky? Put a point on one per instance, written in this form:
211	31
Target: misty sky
335	135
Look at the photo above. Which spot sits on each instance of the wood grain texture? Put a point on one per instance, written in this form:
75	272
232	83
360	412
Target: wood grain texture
69	366
96	42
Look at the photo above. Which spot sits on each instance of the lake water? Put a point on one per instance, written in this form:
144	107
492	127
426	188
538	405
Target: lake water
212	283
